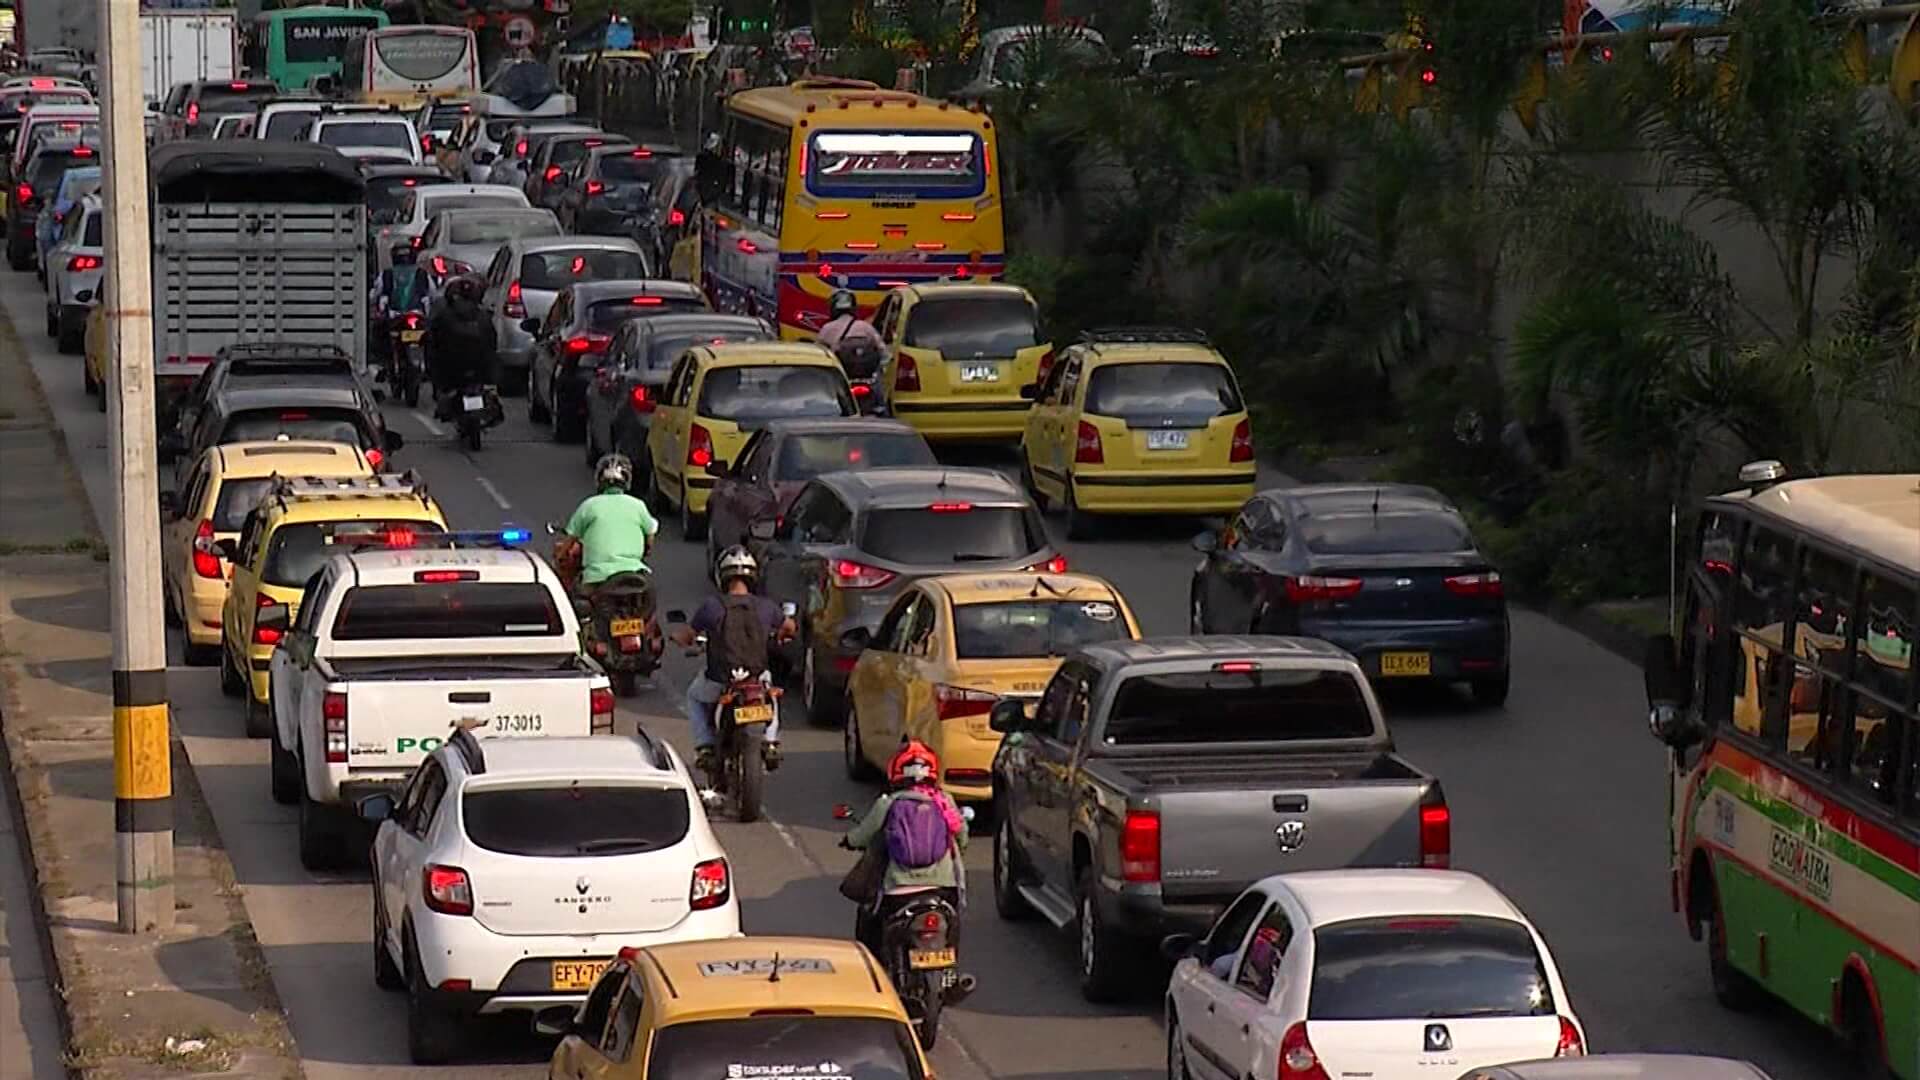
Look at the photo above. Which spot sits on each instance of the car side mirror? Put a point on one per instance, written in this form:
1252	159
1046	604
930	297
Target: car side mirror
228	549
375	808
1667	715
1030	392
856	639
169	505
1177	947
762	529
719	470
392	441
531	326
1007	717
273	617
1206	543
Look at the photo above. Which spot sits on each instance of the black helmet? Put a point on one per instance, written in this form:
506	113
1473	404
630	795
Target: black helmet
465	287
842	303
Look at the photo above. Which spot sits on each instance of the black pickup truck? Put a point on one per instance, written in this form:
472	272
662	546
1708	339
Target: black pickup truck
1157	779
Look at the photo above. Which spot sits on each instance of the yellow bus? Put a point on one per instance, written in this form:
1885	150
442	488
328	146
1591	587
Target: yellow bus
826	184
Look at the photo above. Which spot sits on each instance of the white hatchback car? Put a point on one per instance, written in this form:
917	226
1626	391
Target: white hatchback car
75	265
369	137
510	872
1390	974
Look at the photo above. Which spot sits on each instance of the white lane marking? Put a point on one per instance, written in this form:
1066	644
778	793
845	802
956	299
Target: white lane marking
493	491
432	428
780	829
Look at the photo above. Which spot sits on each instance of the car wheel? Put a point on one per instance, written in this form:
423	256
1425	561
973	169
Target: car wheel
199	655
1007	899
386	973
536	409
825	707
259	716
568	425
1080	524
1491	692
320	841
692	526
232	684
1733	988
1865	1042
1105	956
1176	1052
53	321
1040	501
283	771
852	754
72	337
432	1033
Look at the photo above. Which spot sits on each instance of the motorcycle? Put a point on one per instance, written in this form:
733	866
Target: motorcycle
407	357
473	409
918	950
620	629
740	720
861	360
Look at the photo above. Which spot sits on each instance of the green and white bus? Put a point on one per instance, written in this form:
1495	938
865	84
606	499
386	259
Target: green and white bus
294	46
1791	707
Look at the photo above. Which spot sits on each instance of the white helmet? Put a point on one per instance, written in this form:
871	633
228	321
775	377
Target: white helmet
735	562
614	470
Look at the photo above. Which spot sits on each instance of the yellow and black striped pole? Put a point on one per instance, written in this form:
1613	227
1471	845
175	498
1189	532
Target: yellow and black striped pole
142	762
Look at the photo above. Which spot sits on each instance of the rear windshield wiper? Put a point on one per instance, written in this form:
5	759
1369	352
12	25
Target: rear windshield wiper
614	843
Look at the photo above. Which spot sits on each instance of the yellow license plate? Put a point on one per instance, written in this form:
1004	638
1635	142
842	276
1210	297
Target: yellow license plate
753	714
1405	663
577	974
628	627
922	959
412	337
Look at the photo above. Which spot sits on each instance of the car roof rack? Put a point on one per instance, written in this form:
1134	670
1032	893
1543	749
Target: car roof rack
468	747
304	488
1144	335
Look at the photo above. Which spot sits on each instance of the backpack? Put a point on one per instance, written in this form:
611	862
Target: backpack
916	831
741	642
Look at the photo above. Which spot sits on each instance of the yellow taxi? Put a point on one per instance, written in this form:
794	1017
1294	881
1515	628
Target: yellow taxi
952	646
284	542
94	371
793	1008
1139	422
957	356
221	489
717	396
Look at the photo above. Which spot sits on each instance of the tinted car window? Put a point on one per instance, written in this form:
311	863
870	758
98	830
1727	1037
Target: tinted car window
573	150
1188	391
575	820
663	350
995	326
476	229
93	237
366	133
628	169
298	550
1385	534
555	270
221	98
454	610
319	425
767	392
1418	968
1006	631
609	314
287	123
386	193
47	169
790	1047
927	537
468	201
237	500
1220	706
803	457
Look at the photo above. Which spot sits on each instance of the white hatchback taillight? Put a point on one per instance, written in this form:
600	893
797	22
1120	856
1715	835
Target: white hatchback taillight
1571	1044
712	885
447	890
1297	1059
333	719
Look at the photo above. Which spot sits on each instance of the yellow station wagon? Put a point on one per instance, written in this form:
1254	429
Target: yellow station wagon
957	356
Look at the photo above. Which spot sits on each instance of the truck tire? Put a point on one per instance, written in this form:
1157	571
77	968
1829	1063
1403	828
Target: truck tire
1106	957
432	1033
320	841
1007	900
283	771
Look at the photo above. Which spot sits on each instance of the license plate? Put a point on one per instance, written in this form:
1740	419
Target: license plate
628	627
518	724
473	404
1166	440
1406	663
979	372
409	337
753	714
922	959
577	974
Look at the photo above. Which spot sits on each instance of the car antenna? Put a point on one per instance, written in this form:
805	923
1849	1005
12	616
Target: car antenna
774	977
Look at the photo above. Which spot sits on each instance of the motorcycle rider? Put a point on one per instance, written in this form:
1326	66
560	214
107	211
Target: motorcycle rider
735	572
401	288
612	530
846	326
913	773
461	347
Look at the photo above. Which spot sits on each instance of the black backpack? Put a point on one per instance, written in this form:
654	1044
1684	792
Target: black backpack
741	642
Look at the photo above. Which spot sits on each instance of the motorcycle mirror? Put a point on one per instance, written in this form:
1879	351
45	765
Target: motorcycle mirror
842	812
1205	542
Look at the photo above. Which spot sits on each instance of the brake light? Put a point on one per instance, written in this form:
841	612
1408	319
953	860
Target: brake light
206	564
956	217
906	375
1242	441
953	702
1046	365
951	508
860	390
412	320
699	447
520	148
712	885
83	151
832	215
595	187
1571	1044
1086	445
638	397
1236	667
586	343
1486	585
848	574
1140	846
676	217
552	174
1297	1059
515	307
375	456
398	538
237	86
333	722
1307	589
84	262
193	111
448	891
417	242
440	265
264	635
1436	832
1055	565
426	144
600	709
643	152
293	414
443	577
23	193
747	246
648	301
930	929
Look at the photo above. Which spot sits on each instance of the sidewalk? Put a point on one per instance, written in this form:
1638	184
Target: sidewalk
121	998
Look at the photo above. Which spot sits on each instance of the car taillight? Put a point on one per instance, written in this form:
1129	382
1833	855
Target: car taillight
412	320
712	885
1140	846
417	242
1297	1059
440	265
447	890
1436	831
953	702
586	343
205	563
1571	1044
848	574
552	174
906	375
23	194
1309	588
1242	441
699	447
333	720
595	187
375	457
193	112
676	217
600	709
1486	585
1055	565
640	400
83	262
1046	365
426	144
514	308
264	635
1086	445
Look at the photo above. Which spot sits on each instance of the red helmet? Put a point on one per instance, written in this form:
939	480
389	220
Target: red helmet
912	753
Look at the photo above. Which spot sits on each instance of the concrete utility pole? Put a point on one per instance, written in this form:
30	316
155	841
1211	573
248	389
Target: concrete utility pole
142	752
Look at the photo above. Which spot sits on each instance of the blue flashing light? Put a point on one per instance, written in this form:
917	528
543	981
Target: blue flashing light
515	536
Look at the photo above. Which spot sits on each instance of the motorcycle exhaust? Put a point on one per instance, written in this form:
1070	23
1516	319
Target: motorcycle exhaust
961	989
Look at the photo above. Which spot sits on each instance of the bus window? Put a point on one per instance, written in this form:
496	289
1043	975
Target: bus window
1762	602
1883	687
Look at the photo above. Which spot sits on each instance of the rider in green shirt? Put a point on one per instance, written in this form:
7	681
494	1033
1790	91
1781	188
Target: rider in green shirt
614	528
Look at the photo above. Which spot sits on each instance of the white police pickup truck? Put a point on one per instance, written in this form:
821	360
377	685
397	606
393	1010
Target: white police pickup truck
393	650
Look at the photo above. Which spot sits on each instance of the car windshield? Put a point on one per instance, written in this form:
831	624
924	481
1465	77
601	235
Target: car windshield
579	819
503	226
629	168
1013	629
974	326
237	500
803	457
288	123
572	150
386	193
444	118
459	609
1386	534
761	392
298	550
785	1047
367	133
663	350
607	315
555	270
94	228
948	533
469	200
1227	706
319	425
1427	968
47	169
1195	392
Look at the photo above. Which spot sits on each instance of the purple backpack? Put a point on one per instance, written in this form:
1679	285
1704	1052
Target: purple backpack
916	831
